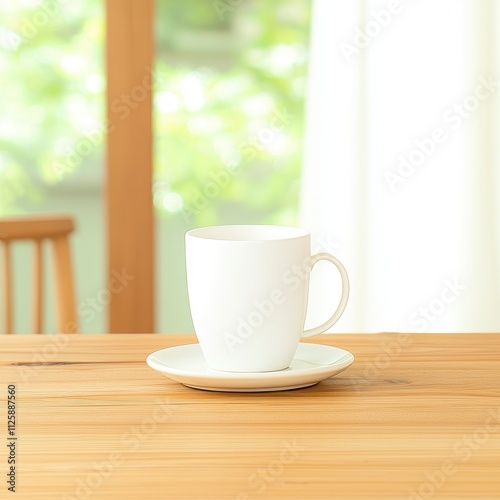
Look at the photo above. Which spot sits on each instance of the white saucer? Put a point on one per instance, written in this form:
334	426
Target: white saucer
312	364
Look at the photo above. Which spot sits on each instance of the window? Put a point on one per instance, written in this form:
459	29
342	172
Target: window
51	135
230	85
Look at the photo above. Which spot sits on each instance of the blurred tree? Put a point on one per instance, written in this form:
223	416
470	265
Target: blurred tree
229	95
52	94
229	101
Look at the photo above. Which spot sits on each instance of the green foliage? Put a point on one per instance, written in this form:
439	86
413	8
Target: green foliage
228	101
52	93
230	106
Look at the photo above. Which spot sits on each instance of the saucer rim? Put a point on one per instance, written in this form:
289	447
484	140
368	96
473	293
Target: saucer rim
253	381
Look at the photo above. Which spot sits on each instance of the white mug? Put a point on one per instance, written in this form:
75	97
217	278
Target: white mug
248	288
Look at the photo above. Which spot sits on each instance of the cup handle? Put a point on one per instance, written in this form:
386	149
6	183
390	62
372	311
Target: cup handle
343	299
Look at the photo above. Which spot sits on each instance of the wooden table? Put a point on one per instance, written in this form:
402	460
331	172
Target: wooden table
415	417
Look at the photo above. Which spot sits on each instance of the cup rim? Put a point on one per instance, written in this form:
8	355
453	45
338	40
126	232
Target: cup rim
248	233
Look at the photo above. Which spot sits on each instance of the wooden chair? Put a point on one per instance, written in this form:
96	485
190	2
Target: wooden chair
39	228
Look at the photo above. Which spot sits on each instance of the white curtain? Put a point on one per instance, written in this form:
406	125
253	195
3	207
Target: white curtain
401	169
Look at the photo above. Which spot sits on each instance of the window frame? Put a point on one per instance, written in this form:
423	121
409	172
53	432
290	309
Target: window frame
129	166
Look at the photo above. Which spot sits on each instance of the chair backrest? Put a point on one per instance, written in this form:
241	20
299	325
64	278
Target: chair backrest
39	228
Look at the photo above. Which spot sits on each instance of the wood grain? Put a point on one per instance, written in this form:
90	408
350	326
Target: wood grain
414	413
130	237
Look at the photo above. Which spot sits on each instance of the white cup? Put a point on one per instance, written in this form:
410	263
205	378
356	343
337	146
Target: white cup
248	289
